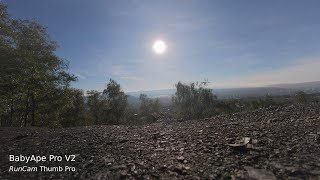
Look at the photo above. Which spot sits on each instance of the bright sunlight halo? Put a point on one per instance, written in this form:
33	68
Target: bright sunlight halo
159	47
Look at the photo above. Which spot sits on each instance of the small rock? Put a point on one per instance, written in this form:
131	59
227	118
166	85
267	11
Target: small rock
179	169
159	149
123	174
254	141
120	167
185	161
180	158
260	174
315	172
133	168
276	165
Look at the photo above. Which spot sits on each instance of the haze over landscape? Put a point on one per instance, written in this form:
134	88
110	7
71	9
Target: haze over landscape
230	43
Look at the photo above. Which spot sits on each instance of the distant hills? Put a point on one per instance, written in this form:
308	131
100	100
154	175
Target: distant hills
305	86
225	93
153	93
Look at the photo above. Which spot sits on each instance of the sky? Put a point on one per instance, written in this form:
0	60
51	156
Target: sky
230	43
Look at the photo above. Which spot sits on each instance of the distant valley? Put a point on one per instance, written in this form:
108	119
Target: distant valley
226	93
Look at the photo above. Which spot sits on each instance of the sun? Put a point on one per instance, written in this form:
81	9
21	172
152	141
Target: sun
159	47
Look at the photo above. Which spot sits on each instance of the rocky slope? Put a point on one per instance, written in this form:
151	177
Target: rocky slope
268	143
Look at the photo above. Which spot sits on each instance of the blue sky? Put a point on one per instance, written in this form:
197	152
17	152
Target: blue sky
230	43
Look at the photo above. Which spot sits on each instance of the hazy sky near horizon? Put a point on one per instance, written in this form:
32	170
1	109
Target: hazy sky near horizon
230	43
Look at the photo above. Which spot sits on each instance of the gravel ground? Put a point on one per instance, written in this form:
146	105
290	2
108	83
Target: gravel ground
268	143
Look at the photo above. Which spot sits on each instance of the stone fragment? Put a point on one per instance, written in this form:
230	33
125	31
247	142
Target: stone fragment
260	174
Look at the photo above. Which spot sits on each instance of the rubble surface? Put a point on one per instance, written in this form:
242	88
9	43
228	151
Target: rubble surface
267	143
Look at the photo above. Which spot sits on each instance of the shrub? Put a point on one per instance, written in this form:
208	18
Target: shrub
194	100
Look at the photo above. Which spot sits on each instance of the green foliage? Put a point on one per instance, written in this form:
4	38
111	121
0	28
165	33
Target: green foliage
145	105
35	84
300	97
194	100
155	107
117	101
265	101
148	105
108	107
75	113
228	106
129	116
97	106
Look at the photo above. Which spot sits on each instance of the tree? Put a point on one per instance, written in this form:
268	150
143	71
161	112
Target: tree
194	100
267	100
75	113
148	105
300	97
117	101
34	80
8	80
98	106
144	104
156	105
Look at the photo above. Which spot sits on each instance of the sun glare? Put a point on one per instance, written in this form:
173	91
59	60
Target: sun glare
159	47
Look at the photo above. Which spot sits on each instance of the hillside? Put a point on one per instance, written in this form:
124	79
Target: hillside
267	143
223	93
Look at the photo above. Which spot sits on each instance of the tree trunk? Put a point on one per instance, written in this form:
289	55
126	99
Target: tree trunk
11	110
27	110
33	101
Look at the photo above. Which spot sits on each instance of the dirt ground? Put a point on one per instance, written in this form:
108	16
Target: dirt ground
268	143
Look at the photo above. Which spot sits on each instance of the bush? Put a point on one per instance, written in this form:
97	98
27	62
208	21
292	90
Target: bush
148	105
300	97
194	100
